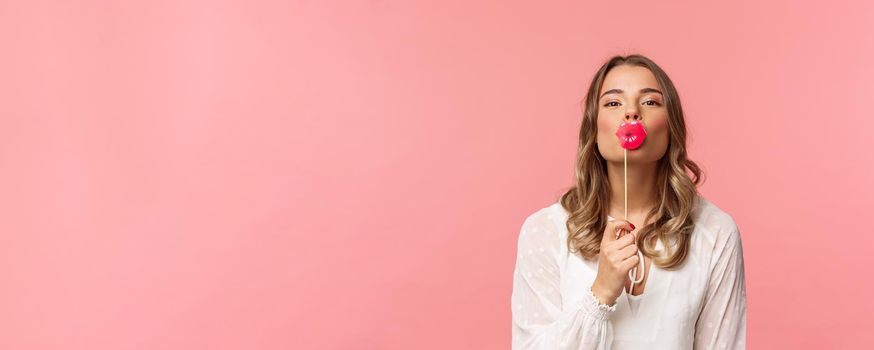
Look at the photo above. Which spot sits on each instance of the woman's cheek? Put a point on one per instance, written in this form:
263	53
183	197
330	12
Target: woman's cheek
661	132
659	125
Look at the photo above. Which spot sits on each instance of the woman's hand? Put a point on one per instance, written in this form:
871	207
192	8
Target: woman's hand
617	257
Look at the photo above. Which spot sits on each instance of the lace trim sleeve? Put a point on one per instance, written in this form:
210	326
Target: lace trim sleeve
596	308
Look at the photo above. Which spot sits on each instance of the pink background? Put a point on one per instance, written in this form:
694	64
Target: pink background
328	175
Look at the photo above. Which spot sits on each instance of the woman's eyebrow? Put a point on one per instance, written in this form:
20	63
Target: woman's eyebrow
619	91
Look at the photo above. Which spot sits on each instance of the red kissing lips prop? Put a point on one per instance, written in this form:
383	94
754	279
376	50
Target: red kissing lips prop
631	134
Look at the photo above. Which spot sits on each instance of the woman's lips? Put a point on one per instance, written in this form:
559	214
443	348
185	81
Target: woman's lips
631	134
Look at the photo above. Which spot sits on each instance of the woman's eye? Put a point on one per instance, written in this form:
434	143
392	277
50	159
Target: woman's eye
608	104
654	103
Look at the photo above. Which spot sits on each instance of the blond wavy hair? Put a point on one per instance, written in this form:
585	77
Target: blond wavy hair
587	202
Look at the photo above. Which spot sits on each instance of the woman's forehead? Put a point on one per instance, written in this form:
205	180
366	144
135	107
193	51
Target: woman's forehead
629	78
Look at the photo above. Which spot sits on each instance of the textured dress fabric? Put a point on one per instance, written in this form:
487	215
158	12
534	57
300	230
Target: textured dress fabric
700	304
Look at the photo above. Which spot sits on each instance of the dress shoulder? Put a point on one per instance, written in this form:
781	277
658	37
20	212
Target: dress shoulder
543	227
715	222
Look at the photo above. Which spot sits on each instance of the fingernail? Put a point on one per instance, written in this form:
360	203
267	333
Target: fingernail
632	225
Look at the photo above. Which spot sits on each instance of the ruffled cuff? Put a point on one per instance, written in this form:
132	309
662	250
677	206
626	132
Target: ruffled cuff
595	308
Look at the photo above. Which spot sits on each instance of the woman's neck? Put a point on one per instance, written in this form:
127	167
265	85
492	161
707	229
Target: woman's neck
641	187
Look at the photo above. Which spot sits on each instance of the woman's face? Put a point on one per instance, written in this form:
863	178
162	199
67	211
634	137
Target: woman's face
632	93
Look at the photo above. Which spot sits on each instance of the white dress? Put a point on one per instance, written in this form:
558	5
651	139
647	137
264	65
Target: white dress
701	305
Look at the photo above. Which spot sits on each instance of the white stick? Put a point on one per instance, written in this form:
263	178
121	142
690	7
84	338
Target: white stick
632	274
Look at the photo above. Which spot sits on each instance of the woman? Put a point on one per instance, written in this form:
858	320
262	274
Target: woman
572	281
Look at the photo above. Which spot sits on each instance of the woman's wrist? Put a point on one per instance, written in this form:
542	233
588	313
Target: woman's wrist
603	297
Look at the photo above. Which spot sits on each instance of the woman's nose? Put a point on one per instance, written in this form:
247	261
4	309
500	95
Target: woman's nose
632	116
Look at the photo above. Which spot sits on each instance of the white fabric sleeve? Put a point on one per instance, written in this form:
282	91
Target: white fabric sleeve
540	321
723	318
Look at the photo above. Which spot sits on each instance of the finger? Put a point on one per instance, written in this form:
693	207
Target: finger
614	231
610	233
622	225
630	263
627	239
628	251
